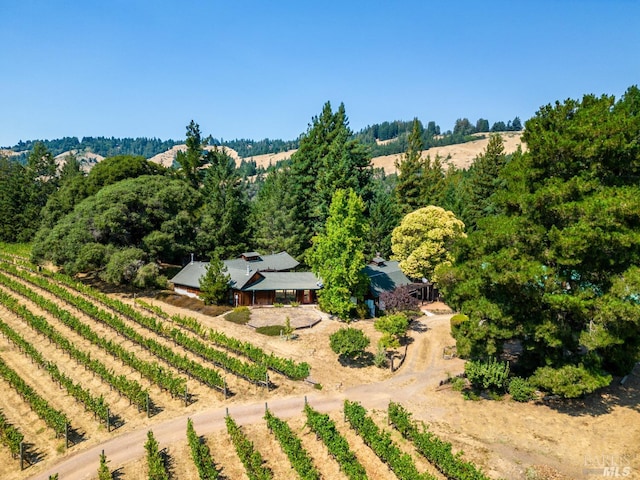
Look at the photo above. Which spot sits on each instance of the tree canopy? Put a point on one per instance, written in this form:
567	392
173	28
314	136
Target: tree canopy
424	239
556	269
152	213
328	159
337	255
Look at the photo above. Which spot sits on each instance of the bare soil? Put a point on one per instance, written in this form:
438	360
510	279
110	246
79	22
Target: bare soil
507	439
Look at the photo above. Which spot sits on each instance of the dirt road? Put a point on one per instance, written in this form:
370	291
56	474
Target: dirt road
423	369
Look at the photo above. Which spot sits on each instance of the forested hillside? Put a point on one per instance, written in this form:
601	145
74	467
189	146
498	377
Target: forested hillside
546	262
372	136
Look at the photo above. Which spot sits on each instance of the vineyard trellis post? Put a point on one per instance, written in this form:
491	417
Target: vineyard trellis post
108	421
147	402
66	435
21	456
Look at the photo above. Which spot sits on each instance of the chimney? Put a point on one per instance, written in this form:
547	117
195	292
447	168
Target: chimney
248	270
192	258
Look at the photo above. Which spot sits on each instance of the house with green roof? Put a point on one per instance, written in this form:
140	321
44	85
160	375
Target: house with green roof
255	280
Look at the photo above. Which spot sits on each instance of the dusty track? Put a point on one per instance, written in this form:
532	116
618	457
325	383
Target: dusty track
411	379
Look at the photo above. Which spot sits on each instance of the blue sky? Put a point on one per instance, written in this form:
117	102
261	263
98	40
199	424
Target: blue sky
256	69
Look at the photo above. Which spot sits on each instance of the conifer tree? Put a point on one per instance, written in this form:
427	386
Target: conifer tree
409	189
193	158
328	158
223	228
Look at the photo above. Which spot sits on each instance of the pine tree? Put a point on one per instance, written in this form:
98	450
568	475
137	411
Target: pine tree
484	181
223	228
328	158
214	285
193	158
409	189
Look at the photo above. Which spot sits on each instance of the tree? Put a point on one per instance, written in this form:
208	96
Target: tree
482	125
484	181
337	255
549	271
75	187
384	216
214	284
400	299
499	127
393	327
424	239
193	159
273	221
223	227
349	342
123	266
328	159
463	127
409	189
123	215
14	197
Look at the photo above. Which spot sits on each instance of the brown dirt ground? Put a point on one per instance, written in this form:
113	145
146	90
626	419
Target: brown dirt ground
508	439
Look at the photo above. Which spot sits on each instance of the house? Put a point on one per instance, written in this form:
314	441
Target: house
386	276
255	280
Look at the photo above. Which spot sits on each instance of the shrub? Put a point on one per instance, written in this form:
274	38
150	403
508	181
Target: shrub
380	358
239	315
393	328
349	342
458	383
570	381
491	375
123	266
521	390
457	320
401	299
270	330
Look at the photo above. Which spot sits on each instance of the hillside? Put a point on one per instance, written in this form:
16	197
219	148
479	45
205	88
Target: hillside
459	155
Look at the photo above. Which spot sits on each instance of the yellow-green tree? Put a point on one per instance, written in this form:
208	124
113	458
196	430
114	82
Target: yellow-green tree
423	240
337	254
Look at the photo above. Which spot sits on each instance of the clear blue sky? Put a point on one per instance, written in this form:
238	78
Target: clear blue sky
256	69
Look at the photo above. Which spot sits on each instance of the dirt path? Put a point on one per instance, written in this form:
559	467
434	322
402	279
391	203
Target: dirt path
506	438
423	370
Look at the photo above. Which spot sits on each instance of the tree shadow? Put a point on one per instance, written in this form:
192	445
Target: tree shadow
363	360
418	326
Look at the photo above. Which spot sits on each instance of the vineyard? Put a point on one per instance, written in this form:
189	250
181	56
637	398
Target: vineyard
78	366
100	385
316	447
